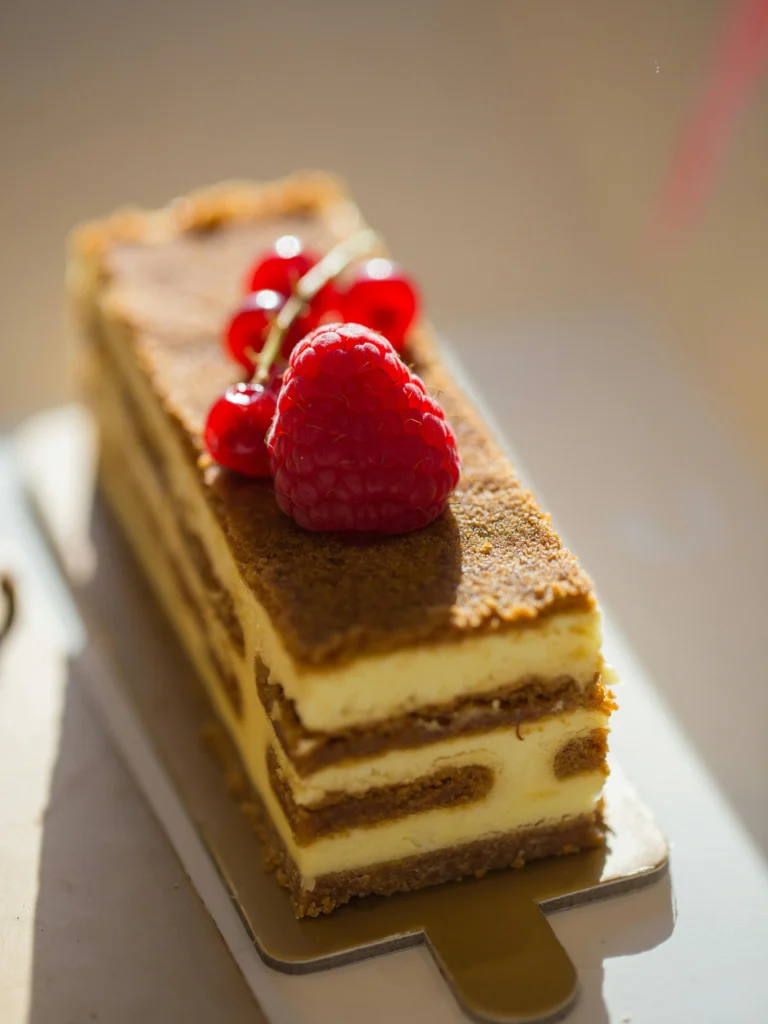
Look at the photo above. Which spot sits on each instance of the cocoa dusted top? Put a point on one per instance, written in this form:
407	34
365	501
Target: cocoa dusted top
491	562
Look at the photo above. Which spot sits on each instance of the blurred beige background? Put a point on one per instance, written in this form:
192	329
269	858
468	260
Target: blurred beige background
511	150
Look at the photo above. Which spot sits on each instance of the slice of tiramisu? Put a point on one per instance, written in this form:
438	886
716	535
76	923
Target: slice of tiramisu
408	708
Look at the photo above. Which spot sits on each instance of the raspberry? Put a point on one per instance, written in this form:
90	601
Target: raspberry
356	442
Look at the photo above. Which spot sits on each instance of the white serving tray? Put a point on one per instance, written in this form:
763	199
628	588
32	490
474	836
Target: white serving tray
673	952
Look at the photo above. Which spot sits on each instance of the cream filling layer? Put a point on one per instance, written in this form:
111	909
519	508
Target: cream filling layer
525	792
377	687
521	760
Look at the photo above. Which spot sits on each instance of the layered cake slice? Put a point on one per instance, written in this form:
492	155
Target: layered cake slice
408	709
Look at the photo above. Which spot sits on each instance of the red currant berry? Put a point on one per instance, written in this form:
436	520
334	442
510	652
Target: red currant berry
281	268
383	298
325	308
248	329
237	426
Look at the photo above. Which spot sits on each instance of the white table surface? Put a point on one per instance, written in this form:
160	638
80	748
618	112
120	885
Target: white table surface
98	921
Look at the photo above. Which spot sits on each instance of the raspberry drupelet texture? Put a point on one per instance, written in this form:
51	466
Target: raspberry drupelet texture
356	442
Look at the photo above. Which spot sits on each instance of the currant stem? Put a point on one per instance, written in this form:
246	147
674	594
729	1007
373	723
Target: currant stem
324	271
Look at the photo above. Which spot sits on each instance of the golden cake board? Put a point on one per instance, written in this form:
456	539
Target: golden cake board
489	937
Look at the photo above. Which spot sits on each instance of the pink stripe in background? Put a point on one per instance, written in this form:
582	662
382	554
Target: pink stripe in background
738	65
